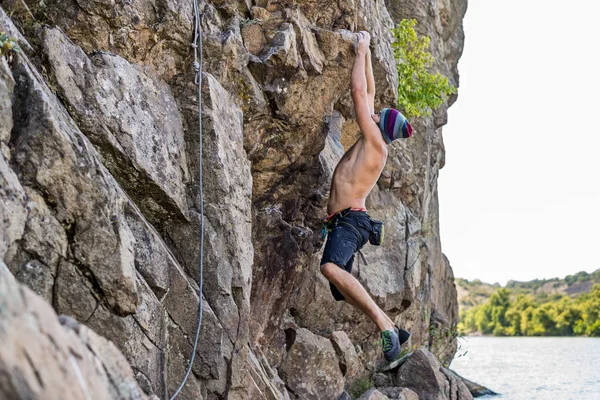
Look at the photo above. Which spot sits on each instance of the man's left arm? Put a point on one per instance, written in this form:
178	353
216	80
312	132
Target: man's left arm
360	93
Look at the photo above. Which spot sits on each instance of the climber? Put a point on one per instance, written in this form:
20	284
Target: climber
348	226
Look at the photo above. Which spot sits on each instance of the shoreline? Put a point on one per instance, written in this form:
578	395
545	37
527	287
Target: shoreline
523	336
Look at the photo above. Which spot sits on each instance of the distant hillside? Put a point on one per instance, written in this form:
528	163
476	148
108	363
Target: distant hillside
475	292
571	285
542	307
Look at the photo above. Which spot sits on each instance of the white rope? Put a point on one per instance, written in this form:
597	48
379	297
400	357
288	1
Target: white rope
197	46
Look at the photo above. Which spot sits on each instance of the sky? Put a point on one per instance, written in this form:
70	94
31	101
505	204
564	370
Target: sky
520	191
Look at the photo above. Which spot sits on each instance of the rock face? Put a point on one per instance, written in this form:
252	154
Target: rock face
46	357
131	117
99	170
423	374
324	380
476	389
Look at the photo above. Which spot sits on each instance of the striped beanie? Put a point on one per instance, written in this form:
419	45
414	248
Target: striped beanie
393	125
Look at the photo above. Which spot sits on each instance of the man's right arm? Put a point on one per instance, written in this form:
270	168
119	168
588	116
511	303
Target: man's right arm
370	82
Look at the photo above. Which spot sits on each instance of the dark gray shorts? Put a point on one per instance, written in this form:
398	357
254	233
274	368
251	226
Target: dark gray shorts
348	231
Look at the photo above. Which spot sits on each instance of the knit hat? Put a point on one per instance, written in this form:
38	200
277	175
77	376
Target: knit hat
393	125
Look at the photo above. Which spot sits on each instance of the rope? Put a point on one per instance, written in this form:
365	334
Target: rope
197	46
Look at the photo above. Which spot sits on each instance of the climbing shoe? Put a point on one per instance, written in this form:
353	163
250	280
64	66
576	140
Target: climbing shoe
391	342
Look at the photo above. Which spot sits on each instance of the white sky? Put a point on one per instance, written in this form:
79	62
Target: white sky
520	192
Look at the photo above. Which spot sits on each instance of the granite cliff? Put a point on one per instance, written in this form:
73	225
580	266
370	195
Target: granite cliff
99	168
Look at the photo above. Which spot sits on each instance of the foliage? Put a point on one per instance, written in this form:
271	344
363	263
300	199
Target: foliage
419	91
251	21
475	292
583	277
7	44
569	280
524	316
442	338
360	386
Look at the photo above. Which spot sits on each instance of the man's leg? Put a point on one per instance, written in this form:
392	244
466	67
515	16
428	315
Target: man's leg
353	304
356	295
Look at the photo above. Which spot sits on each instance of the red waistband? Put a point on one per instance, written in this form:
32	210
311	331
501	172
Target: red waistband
339	211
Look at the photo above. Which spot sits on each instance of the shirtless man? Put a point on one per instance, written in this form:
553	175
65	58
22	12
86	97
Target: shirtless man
349	226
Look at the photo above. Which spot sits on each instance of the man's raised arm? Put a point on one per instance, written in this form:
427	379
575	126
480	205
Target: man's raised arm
360	91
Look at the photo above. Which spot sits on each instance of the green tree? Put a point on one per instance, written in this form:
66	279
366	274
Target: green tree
516	316
543	320
567	315
589	306
527	321
499	302
419	91
505	314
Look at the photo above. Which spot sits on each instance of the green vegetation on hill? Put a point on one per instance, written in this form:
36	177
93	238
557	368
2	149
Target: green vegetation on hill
549	307
570	281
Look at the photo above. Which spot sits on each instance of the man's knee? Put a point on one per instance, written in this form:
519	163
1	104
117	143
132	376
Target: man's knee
328	269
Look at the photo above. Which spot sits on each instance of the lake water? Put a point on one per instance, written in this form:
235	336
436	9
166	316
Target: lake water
532	368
